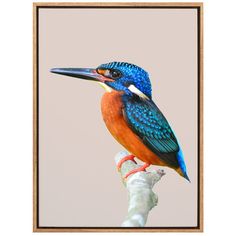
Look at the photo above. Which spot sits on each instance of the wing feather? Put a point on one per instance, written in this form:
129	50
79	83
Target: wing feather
148	122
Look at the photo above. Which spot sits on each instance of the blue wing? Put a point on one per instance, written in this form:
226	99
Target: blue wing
148	122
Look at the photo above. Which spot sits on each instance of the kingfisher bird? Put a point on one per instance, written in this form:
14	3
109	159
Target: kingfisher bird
132	117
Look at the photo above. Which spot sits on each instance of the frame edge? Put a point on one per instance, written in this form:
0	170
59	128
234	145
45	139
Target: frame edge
201	223
36	228
97	4
35	120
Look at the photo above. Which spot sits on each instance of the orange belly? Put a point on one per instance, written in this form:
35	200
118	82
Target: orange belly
113	117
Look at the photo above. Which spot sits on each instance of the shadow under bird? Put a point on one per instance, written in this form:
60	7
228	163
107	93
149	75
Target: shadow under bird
132	117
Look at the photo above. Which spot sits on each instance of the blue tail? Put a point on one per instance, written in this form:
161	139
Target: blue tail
180	158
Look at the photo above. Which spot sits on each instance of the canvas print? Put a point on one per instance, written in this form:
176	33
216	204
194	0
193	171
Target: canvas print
118	118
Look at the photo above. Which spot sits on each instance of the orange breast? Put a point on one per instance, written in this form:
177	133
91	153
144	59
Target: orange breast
113	117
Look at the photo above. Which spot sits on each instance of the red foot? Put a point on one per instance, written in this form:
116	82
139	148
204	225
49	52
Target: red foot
141	168
126	158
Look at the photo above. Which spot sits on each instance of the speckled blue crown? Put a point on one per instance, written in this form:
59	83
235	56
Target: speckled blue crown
132	74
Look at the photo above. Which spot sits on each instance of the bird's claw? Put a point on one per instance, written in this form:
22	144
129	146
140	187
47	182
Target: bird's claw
124	159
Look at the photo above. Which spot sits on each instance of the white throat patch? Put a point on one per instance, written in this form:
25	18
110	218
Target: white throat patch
106	87
135	90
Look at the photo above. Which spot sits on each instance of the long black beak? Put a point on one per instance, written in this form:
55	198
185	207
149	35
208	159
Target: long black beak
82	73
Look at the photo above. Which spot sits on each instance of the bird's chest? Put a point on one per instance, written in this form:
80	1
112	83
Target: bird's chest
111	107
112	112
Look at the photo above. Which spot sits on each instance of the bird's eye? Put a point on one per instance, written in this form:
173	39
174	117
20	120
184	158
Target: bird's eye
115	74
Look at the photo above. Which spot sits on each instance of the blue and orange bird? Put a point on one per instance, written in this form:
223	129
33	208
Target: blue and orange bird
132	117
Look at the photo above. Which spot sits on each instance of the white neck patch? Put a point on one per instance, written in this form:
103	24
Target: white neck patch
135	90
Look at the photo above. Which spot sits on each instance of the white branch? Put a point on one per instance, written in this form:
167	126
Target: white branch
141	197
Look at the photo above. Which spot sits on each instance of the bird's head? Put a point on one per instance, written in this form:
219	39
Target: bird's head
120	76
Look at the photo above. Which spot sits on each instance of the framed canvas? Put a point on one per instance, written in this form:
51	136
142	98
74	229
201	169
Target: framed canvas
148	175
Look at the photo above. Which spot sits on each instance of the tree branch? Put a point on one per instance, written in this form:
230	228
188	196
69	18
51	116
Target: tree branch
141	197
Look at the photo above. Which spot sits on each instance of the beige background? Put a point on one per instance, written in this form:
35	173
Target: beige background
78	181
